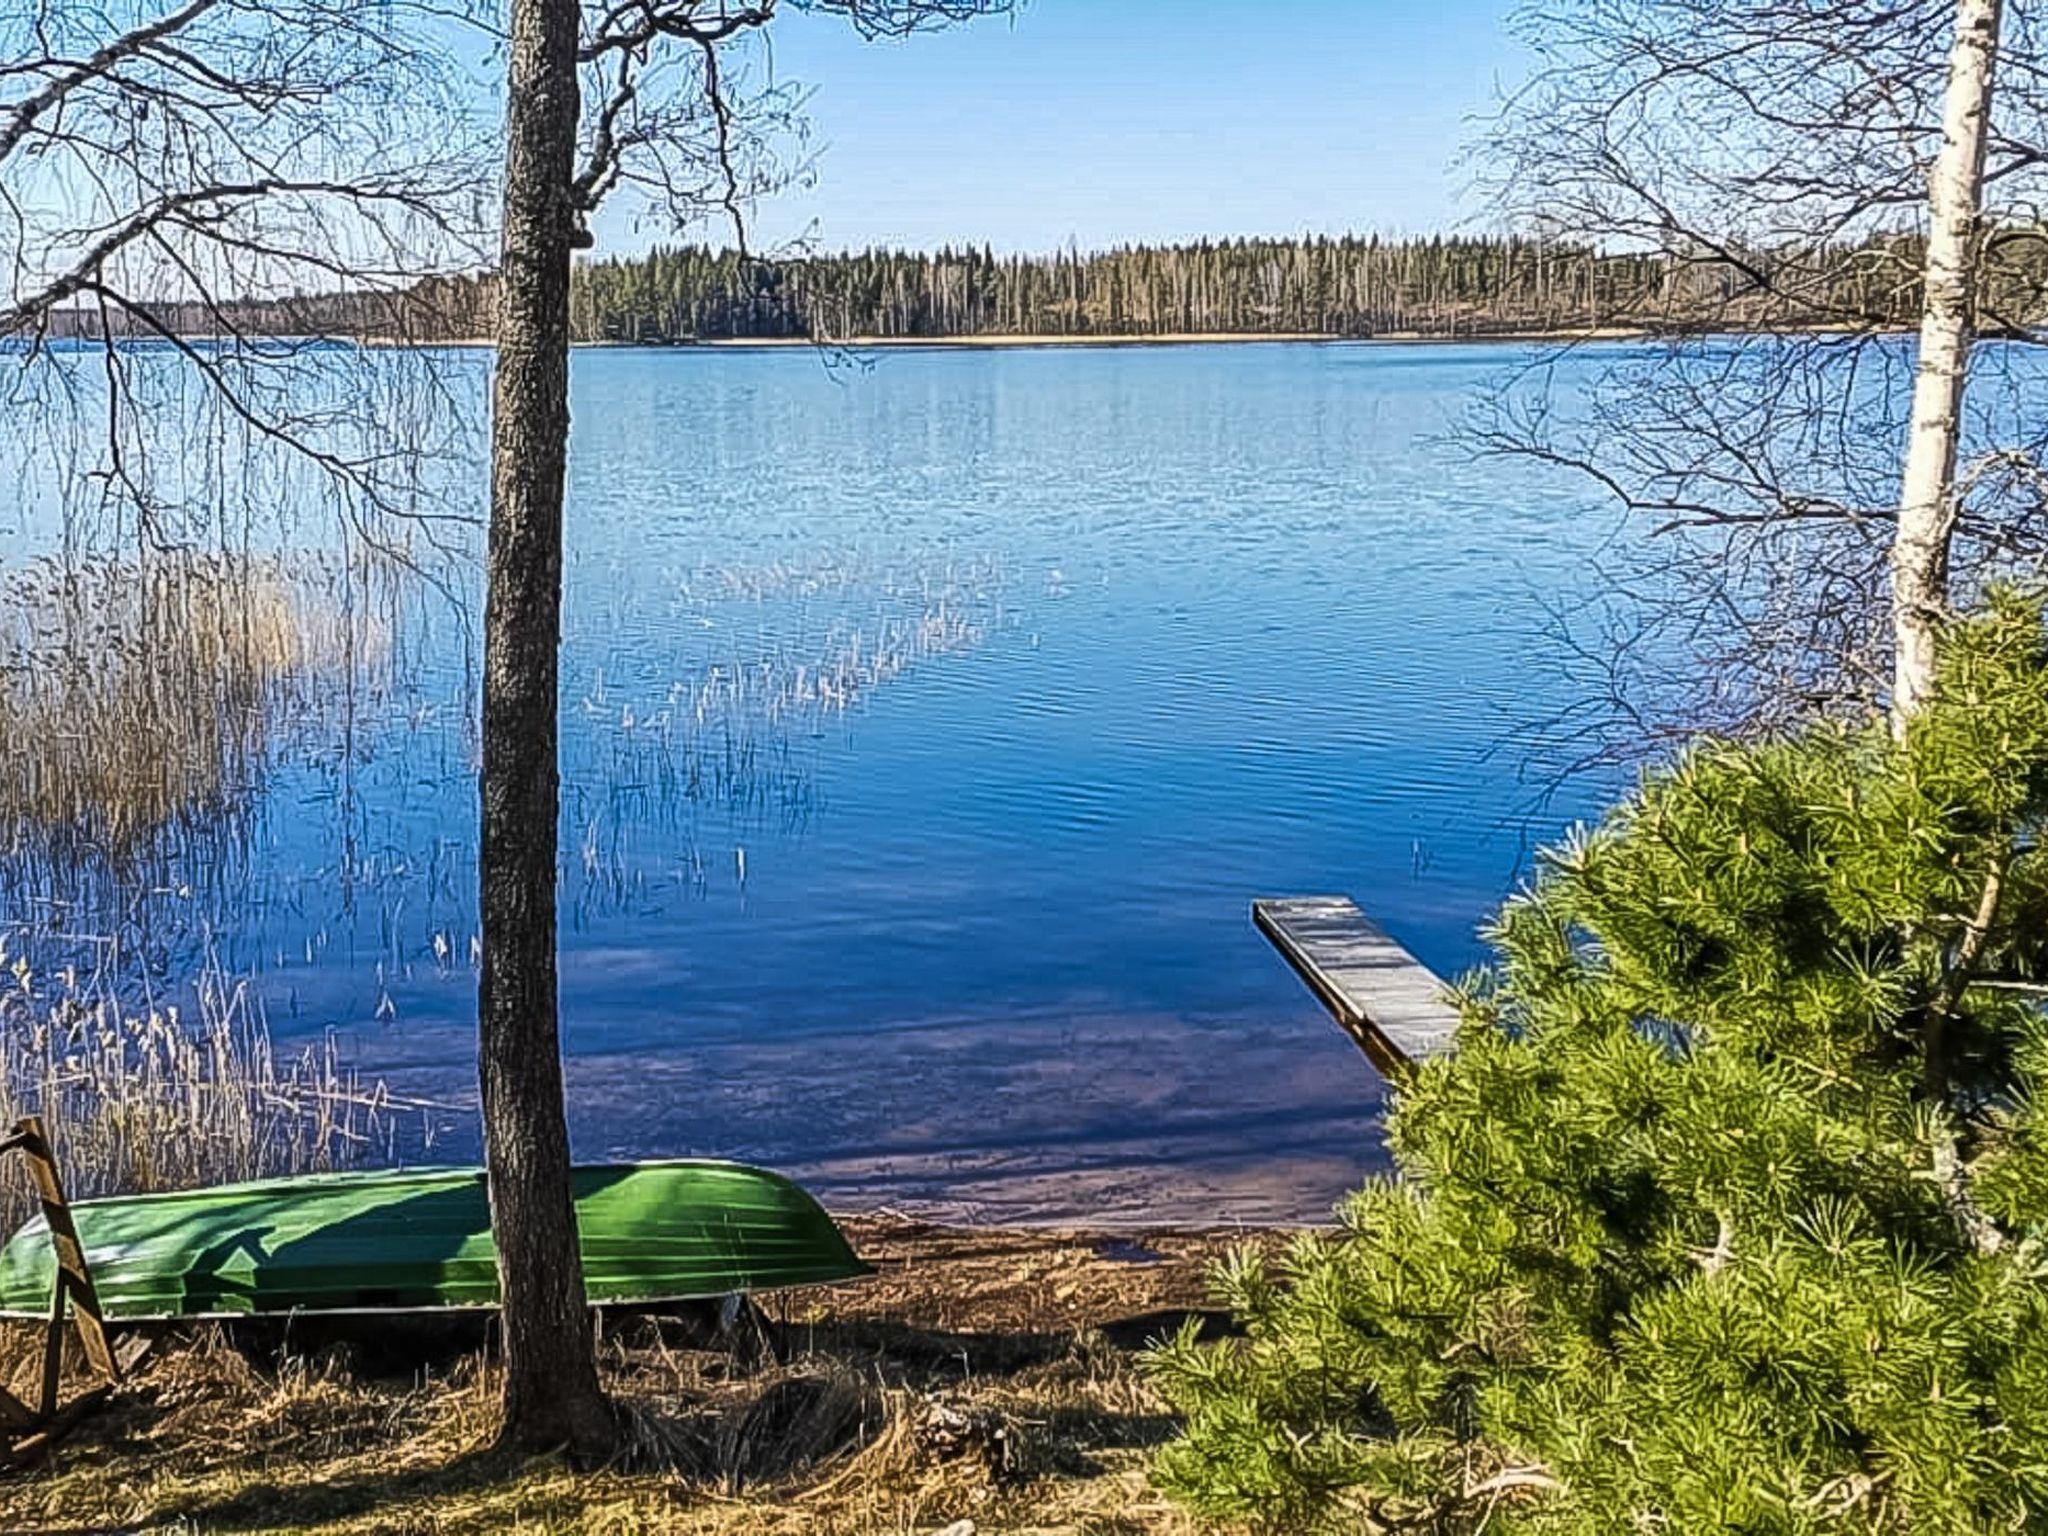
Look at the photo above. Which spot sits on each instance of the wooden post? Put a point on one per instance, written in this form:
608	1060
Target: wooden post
73	1278
71	1290
53	1339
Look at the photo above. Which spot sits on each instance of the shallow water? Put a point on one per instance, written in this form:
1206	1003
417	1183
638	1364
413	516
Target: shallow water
929	727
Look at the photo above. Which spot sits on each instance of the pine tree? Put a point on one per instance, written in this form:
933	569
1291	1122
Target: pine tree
1730	1210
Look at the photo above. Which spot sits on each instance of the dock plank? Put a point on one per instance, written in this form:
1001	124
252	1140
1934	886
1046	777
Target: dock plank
1389	1002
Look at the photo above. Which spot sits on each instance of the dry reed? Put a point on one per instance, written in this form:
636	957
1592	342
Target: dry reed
149	1097
724	731
138	700
139	704
135	694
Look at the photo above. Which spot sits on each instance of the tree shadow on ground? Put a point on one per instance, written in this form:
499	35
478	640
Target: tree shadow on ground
725	1440
990	1354
264	1504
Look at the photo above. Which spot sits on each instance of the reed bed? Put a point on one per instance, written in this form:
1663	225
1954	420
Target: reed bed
152	1096
722	730
843	570
851	662
140	703
133	695
734	731
816	658
140	698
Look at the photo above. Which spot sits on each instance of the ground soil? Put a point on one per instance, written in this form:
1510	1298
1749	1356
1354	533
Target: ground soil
982	1375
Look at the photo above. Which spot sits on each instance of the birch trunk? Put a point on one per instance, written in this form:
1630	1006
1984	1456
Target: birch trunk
1927	500
552	1397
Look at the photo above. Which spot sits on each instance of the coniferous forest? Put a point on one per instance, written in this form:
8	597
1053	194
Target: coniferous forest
1350	286
1354	286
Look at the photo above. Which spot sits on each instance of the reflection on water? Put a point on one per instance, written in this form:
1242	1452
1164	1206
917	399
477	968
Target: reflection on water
784	652
143	700
926	732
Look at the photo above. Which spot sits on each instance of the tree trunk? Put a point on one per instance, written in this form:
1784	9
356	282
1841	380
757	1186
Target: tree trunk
552	1397
1927	501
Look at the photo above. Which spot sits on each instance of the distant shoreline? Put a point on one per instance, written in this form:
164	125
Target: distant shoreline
1150	339
1022	341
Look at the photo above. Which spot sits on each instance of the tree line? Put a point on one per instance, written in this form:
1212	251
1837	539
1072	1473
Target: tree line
1345	286
1350	286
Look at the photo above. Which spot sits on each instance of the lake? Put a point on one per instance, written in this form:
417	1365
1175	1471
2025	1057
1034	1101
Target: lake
929	726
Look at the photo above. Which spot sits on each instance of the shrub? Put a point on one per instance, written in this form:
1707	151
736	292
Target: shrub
1728	1211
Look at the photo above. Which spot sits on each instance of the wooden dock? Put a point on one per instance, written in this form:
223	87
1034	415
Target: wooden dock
1385	999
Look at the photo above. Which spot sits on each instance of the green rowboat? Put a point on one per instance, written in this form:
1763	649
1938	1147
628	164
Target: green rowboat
414	1239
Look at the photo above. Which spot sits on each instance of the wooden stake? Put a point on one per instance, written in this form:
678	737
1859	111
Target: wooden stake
73	1278
72	1291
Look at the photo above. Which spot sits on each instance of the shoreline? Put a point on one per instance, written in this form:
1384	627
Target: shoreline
1009	341
1017	341
979	1379
975	1124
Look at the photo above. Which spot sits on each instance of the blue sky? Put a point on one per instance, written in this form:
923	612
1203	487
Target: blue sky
1101	121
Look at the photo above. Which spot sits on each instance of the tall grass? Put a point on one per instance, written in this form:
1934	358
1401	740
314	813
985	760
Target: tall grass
134	695
722	730
153	1096
138	701
798	646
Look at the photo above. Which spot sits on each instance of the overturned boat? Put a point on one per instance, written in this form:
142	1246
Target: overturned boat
420	1239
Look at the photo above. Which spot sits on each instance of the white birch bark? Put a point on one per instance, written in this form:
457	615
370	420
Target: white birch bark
1927	500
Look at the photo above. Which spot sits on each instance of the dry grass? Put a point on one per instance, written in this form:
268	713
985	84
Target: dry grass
136	695
142	703
145	1098
138	700
889	1416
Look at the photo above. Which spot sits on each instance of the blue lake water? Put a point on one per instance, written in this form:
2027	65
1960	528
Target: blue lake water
928	728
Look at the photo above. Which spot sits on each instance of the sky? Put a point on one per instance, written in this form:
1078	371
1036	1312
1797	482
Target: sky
1095	122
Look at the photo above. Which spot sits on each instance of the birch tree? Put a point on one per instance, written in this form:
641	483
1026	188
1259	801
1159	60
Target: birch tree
1791	180
1920	548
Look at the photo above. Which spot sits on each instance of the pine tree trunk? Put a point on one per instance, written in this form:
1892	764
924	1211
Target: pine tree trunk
552	1397
1927	500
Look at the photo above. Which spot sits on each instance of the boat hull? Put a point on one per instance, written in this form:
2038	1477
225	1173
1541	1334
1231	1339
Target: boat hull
419	1239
